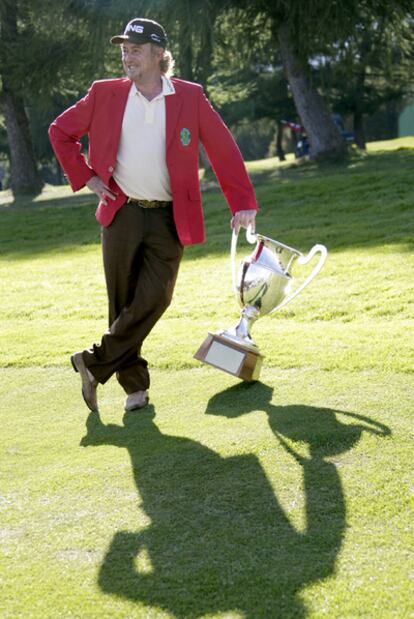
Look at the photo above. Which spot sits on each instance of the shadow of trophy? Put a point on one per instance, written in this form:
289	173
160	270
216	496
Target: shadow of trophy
262	285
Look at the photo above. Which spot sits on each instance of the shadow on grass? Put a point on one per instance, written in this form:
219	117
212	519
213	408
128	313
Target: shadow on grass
219	540
35	203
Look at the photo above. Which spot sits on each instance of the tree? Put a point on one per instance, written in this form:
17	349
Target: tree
290	28
372	68
24	176
305	29
324	137
46	52
247	83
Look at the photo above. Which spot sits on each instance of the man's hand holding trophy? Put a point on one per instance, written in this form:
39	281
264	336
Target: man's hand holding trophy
262	285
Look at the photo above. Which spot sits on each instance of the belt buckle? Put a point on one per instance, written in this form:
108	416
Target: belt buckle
148	203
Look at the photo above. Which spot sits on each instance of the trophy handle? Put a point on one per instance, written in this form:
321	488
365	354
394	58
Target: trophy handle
251	238
304	260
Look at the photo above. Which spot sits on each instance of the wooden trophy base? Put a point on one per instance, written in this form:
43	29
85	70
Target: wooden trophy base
229	356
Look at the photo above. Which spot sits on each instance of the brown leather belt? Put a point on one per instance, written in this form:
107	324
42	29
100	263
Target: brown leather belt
149	203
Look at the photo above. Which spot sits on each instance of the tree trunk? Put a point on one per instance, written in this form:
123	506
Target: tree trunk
359	129
186	49
279	139
60	179
205	53
24	176
204	160
324	137
202	71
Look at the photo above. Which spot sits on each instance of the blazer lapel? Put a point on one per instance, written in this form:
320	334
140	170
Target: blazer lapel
119	101
173	105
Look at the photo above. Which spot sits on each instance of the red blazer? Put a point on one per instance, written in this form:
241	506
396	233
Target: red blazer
99	114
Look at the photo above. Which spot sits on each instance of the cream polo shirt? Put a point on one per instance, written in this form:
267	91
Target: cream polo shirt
141	168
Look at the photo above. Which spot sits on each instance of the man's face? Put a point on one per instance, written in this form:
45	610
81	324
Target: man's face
140	61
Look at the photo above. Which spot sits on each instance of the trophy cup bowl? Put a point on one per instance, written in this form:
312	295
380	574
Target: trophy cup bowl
262	285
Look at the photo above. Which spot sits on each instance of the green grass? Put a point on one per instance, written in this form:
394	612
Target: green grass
292	497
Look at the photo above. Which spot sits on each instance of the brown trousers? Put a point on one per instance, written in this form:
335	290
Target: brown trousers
141	254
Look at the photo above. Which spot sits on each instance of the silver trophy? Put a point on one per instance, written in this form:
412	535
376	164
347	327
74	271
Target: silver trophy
263	284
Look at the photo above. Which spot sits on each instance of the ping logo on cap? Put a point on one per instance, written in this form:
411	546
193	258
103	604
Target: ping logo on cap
135	28
140	31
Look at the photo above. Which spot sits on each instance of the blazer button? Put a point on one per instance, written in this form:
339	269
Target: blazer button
110	169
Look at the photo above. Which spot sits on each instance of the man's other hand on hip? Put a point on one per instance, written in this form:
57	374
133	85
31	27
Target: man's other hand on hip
97	185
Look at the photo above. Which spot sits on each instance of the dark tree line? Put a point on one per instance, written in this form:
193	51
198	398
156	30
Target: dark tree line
262	57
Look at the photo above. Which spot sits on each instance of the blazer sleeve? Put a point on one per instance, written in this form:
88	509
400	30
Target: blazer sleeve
65	133
225	158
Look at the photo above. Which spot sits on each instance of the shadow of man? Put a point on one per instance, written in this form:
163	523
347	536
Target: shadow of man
218	541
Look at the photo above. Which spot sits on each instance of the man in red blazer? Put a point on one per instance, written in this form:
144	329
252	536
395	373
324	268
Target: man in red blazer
143	132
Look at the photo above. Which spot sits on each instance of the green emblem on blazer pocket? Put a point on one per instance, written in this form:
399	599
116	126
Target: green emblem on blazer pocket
185	136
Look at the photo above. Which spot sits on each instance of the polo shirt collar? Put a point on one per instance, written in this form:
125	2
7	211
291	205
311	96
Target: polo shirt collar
167	89
167	86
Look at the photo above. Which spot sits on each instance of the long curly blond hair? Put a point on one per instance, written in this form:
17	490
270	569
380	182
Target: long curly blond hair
167	63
